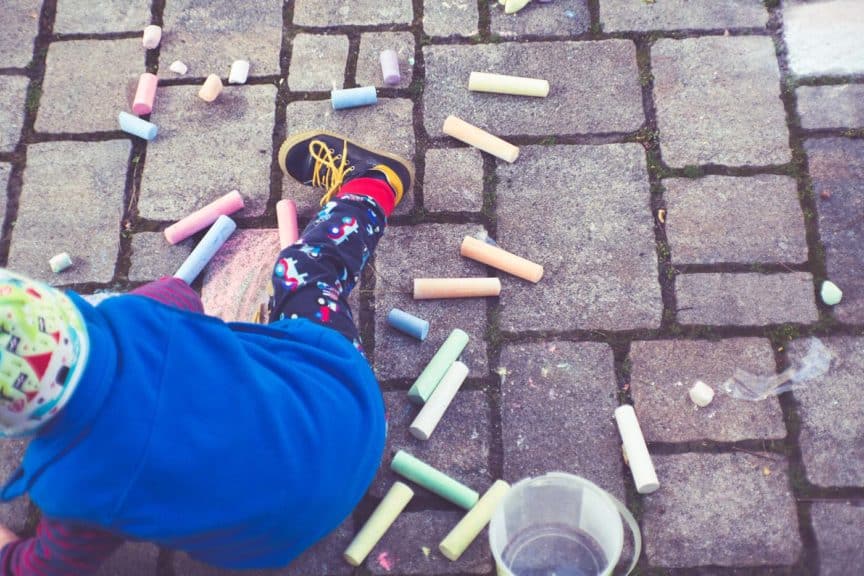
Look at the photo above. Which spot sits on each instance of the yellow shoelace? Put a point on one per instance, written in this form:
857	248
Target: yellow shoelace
330	170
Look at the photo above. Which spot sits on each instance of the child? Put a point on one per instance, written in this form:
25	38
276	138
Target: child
239	444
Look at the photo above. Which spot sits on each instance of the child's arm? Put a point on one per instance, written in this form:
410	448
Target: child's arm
57	549
173	292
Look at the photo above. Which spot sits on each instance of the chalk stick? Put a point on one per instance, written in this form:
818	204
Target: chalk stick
239	72
390	67
463	534
286	218
353	97
426	421
500	259
636	450
428	288
503	84
145	94
431	375
200	219
408	323
378	523
433	480
151	37
206	249
137	126
211	88
479	138
512	6
60	262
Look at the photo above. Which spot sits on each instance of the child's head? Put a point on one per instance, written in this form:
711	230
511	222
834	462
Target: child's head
43	351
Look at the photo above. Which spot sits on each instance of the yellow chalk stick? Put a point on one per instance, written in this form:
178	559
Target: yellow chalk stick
500	259
428	288
461	536
481	139
502	84
378	523
511	6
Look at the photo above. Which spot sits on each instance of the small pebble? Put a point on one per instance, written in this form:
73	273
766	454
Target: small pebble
60	262
152	36
830	293
178	67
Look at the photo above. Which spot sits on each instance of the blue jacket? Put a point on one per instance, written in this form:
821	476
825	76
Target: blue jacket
238	443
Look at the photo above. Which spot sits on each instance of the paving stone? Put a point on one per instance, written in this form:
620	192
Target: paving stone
13	98
839	528
459	446
369	59
13	514
453	180
402	547
824	37
725	219
153	257
318	62
209	36
745	299
830	407
720	509
79	17
131	559
560	18
452	18
625	15
610	281
718	101
111	69
426	251
831	106
5	171
205	150
608	80
663	371
20	27
71	201
837	170
387	126
359	12
558	400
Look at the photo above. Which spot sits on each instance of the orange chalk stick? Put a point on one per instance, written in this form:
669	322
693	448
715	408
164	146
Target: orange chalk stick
481	139
428	288
286	217
501	259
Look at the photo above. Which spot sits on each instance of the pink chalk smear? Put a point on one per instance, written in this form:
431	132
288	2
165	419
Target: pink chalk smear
384	561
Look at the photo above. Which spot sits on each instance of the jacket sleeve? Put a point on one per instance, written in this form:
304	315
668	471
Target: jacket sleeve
172	292
58	549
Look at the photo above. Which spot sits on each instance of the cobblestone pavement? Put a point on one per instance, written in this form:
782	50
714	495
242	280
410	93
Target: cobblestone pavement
695	174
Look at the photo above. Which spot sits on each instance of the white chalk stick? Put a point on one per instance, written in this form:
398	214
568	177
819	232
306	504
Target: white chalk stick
211	88
239	72
479	138
636	450
460	537
427	288
60	262
178	67
500	259
502	84
701	394
378	523
151	37
427	420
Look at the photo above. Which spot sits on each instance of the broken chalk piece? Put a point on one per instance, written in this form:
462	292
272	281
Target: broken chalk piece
511	6
500	259
439	364
830	293
211	88
636	450
203	217
286	219
408	323
206	249
60	262
430	415
479	138
433	480
390	67
378	523
145	94
136	126
353	97
239	72
151	37
502	84
178	67
463	534
427	288
701	394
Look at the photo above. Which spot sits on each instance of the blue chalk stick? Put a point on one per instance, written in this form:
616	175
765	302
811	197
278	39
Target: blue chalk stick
206	249
353	97
134	125
408	323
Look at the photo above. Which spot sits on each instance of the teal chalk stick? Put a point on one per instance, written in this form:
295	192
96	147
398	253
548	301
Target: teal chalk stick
433	480
440	363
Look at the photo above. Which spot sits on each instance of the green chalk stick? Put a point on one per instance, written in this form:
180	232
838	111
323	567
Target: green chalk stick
464	533
433	480
378	523
445	356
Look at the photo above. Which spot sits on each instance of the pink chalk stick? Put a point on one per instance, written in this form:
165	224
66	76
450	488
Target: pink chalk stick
286	216
200	219
390	67
145	94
